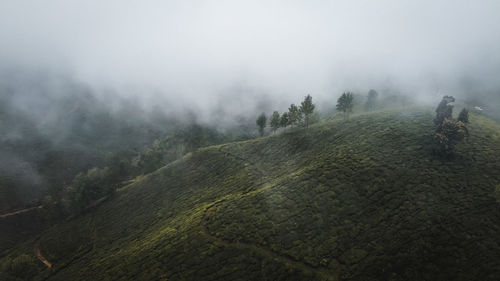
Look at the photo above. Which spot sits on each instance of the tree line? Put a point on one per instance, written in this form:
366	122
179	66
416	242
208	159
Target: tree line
304	114
296	115
98	182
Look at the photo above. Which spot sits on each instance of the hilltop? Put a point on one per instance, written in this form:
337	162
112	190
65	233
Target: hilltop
360	199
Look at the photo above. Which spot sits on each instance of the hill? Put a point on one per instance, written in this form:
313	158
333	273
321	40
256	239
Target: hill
362	199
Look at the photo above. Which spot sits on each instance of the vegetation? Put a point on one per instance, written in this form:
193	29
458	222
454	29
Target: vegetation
275	121
358	200
261	122
371	100
298	116
345	103
307	108
449	131
449	134
23	267
444	110
176	144
464	116
285	120
294	115
42	158
86	188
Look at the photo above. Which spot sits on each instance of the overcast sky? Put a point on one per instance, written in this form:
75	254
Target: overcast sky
200	49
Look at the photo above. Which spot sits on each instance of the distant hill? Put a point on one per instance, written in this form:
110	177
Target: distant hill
361	199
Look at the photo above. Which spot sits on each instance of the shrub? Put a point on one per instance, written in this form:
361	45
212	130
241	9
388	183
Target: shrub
464	116
449	134
444	110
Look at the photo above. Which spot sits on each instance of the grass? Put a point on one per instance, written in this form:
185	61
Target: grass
362	199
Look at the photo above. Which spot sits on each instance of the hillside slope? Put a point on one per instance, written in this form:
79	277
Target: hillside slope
362	199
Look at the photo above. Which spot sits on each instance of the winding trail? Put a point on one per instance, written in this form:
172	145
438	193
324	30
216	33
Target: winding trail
39	255
319	272
20	211
322	273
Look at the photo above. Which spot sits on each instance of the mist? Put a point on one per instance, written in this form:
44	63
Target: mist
249	139
232	55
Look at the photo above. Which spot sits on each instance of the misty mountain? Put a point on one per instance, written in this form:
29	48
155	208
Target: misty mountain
249	140
362	199
53	128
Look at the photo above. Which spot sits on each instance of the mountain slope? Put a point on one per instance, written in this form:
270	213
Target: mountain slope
362	199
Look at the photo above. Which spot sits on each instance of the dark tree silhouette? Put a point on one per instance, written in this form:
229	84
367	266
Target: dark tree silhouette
294	115
284	120
444	110
345	103
307	108
463	116
261	122
371	100
449	134
275	121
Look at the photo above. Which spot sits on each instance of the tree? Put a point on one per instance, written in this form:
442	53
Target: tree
371	100
275	121
284	120
181	140
307	108
294	115
449	134
88	187
345	103
51	209
261	122
449	131
444	110
464	116
119	169
152	158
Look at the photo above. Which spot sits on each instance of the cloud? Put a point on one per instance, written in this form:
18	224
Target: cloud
195	51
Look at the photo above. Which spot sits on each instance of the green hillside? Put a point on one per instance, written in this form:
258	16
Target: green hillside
362	199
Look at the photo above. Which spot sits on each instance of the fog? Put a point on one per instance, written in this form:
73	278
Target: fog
238	55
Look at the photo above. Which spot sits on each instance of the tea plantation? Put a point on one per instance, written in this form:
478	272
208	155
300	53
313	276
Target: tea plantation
357	199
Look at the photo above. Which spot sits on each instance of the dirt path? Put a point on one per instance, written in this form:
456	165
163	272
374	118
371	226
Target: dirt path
39	255
320	272
20	211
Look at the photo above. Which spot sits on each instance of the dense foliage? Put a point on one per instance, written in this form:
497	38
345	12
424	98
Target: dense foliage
275	121
43	149
176	144
22	267
302	115
345	103
449	132
463	116
294	115
307	108
444	110
261	122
